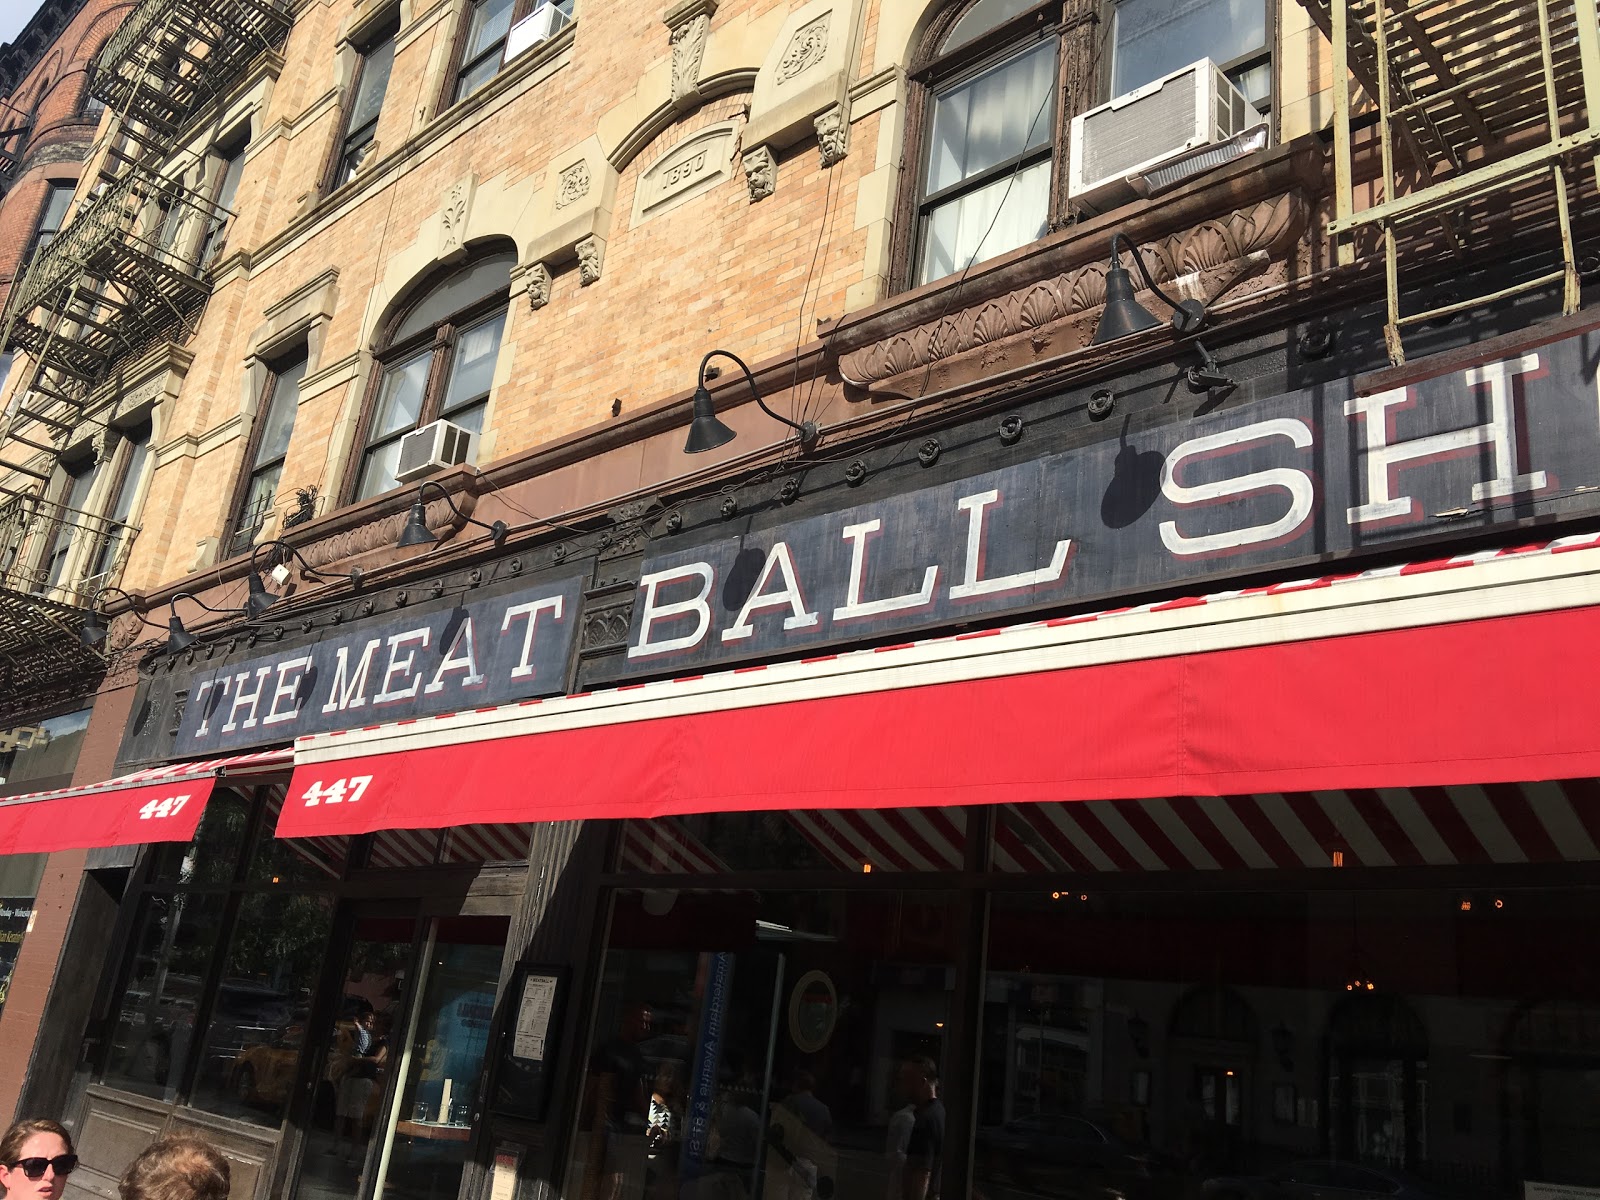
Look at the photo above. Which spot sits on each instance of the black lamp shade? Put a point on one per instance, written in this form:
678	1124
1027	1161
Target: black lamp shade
705	431
93	632
178	638
259	599
1123	314
416	532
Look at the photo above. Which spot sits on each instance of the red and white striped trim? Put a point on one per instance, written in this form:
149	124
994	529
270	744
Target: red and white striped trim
1543	577
259	762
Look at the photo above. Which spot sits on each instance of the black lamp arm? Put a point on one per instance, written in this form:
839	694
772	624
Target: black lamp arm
498	529
305	567
94	603
1123	241
807	430
191	596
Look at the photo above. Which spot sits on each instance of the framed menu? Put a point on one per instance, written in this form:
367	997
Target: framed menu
528	1043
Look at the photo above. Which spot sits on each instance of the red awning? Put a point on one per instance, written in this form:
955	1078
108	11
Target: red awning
1469	670
162	804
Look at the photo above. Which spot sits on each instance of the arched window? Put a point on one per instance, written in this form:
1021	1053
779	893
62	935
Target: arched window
997	83
436	361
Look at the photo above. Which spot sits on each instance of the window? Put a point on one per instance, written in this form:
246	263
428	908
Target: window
366	102
484	45
269	443
1155	37
133	455
229	168
439	363
74	500
992	129
57	197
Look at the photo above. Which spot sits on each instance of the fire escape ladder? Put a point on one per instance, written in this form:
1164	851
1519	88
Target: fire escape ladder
1489	100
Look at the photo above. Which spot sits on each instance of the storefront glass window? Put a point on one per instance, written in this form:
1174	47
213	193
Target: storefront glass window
212	858
258	1018
438	1095
770	1045
1229	1041
294	860
19	884
41	754
854	841
175	938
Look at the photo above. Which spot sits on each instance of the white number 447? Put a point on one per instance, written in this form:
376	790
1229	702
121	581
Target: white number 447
337	792
157	809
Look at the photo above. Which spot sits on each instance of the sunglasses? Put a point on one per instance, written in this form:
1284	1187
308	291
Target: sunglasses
33	1168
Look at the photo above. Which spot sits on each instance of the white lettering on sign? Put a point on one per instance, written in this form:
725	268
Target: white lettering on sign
652	611
287	689
854	605
1302	491
975	506
530	613
170	806
417	638
200	701
781	562
461	656
1386	458
349	687
339	791
243	699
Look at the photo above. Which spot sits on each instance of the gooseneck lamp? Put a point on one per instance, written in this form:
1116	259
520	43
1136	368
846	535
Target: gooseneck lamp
416	531
259	599
95	630
179	638
1124	315
706	432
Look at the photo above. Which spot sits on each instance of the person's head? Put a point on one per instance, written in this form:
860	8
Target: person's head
176	1168
919	1080
366	1018
637	1020
35	1159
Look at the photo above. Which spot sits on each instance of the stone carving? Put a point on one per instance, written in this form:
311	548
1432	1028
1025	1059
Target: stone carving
574	184
761	172
805	50
688	48
1270	226
696	165
589	254
453	217
538	286
607	627
833	135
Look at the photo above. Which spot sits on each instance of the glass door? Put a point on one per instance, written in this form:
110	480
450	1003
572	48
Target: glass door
359	1054
428	1132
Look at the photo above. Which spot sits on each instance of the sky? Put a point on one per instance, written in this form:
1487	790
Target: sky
14	15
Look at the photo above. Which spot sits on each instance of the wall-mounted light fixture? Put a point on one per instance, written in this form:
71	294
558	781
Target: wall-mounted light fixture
259	599
1124	315
707	433
179	638
416	531
95	631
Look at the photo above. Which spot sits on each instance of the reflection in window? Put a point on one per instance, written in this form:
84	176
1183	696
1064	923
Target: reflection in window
212	858
174	940
484	45
281	403
252	1047
766	1045
42	754
366	104
1156	37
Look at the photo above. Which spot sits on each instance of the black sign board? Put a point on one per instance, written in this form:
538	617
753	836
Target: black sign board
1302	478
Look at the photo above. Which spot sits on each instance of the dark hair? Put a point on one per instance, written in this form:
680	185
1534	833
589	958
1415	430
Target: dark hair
176	1168
925	1067
11	1143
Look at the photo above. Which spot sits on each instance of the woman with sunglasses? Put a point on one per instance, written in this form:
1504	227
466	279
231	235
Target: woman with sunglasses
35	1159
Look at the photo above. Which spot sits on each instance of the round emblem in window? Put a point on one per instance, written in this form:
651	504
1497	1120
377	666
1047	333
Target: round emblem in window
813	1011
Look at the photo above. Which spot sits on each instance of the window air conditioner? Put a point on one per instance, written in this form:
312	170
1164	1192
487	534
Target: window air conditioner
541	24
435	446
1171	116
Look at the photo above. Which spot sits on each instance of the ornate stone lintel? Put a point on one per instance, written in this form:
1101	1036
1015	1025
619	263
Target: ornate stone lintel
761	172
591	252
833	135
689	25
538	276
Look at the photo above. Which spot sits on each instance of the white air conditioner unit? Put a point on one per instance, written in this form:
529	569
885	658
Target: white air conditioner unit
1171	116
435	446
540	25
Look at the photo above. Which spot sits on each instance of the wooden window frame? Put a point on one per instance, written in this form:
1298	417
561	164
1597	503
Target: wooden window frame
1083	53
37	238
121	466
458	47
248	467
388	29
441	339
213	238
89	463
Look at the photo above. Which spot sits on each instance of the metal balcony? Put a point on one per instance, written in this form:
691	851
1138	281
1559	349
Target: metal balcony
53	560
170	56
1486	134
